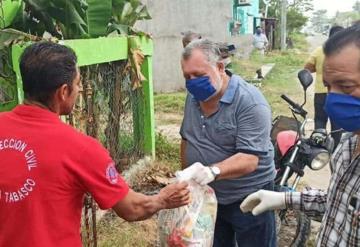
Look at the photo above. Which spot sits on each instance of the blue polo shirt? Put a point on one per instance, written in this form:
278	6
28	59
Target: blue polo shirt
242	124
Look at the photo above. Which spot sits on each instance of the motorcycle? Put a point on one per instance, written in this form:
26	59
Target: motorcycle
294	151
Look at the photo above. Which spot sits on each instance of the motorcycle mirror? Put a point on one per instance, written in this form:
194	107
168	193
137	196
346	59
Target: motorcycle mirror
305	78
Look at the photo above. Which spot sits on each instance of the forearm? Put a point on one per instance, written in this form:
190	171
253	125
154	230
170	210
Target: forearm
147	207
312	202
237	165
139	207
182	154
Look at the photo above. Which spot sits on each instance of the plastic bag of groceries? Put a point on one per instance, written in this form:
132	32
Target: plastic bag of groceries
192	225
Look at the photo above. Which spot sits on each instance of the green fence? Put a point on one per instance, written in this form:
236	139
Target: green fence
98	58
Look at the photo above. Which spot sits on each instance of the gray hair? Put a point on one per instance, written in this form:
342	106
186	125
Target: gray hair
210	50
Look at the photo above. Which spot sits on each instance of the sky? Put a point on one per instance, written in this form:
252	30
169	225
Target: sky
333	5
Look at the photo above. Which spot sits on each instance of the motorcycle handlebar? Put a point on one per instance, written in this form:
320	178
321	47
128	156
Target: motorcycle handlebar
298	108
289	101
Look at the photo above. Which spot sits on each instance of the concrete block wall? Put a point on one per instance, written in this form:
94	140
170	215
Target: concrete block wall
171	17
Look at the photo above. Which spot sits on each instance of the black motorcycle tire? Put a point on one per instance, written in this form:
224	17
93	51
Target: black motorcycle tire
303	228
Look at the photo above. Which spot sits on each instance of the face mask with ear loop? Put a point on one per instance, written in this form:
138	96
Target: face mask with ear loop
200	88
344	110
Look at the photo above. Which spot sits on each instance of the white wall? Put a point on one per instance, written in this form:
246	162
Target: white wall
210	18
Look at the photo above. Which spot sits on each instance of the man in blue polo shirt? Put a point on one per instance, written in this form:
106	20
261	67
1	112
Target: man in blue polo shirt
226	144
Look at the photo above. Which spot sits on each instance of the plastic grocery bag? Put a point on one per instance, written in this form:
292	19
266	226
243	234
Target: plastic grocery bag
192	225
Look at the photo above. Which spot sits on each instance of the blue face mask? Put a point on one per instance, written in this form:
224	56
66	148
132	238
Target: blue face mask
344	110
200	88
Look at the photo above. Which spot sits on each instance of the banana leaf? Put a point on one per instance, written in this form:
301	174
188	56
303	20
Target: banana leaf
128	12
98	17
10	8
70	16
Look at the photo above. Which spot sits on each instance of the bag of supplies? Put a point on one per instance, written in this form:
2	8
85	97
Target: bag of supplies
191	225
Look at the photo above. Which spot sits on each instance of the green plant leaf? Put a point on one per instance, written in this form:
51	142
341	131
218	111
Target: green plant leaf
128	12
98	17
119	28
72	14
51	13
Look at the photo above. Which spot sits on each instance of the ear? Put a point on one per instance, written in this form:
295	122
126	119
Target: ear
221	67
62	92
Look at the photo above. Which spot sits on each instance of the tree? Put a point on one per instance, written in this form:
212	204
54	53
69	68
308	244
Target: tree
320	21
295	17
347	18
295	21
356	7
301	5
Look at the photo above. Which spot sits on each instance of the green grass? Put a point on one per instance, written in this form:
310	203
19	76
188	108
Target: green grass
169	107
170	102
300	42
281	80
167	151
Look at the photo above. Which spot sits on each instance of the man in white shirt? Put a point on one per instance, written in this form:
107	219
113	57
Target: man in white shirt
260	40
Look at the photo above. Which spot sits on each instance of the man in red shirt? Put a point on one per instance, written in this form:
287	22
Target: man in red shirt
46	166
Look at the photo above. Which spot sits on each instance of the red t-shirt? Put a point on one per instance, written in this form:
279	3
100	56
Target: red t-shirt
46	166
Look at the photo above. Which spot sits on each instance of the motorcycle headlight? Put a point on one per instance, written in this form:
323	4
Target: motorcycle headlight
319	160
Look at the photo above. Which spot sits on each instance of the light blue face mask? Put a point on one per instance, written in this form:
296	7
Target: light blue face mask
344	110
201	88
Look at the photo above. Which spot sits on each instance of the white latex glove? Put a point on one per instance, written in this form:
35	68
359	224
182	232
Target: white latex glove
263	200
198	172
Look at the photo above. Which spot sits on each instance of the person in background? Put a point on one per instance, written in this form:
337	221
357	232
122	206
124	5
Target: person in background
315	65
226	143
47	166
260	40
188	37
226	52
339	207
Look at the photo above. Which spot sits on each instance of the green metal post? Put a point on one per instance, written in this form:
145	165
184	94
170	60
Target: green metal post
144	121
149	121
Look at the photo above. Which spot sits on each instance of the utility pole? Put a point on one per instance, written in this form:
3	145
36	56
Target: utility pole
266	2
283	25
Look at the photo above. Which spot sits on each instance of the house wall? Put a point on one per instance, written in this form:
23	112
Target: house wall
210	18
246	15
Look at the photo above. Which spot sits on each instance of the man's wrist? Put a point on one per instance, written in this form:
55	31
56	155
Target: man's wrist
159	201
